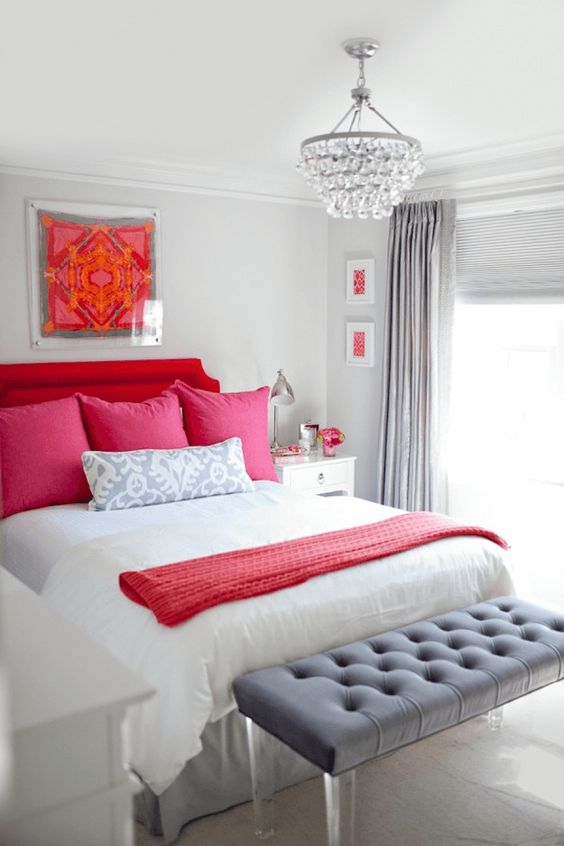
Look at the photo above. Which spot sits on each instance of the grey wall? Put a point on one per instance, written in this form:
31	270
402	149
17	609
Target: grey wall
244	285
354	393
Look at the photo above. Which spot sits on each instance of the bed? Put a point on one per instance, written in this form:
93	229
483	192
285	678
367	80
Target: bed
187	744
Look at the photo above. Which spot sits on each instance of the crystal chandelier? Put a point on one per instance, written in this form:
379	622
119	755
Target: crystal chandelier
358	173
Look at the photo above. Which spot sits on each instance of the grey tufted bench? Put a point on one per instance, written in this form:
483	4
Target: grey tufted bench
365	700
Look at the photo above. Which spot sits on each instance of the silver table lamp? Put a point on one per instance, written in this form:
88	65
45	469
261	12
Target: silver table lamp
281	393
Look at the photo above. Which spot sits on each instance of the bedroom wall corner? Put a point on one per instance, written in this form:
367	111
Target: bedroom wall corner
354	394
244	284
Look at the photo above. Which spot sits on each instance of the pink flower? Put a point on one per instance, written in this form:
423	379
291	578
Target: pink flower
330	436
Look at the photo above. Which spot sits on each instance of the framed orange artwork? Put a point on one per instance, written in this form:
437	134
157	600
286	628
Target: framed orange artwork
93	275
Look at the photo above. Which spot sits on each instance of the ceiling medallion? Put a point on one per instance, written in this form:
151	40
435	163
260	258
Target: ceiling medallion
357	173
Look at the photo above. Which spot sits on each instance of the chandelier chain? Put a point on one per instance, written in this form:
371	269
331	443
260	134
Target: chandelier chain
361	78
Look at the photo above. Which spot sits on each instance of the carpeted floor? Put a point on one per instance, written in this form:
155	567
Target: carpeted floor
468	786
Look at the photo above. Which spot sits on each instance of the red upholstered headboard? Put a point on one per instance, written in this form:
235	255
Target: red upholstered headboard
111	380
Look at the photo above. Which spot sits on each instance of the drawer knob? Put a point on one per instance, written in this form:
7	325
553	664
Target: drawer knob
321	479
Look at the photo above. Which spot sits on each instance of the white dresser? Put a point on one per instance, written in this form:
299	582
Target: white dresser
67	699
316	474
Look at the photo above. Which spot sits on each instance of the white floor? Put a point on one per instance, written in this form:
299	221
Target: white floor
469	786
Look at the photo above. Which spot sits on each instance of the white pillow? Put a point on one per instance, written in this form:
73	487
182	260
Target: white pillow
152	476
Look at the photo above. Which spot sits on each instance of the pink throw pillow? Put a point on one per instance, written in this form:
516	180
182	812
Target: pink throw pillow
41	448
210	418
125	426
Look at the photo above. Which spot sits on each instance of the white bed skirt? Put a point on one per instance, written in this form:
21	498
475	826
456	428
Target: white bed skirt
216	779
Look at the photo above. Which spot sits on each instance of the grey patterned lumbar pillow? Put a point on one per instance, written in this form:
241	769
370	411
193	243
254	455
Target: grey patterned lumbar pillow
153	476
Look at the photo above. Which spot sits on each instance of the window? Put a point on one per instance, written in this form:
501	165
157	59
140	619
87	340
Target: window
508	392
506	453
511	257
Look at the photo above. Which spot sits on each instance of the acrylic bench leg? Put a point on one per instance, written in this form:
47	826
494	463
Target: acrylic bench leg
495	718
262	774
340	808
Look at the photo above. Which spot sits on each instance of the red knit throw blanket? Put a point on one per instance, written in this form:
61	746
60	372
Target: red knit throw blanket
176	592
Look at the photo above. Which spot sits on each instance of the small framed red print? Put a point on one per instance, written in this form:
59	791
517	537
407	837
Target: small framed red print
360	281
360	344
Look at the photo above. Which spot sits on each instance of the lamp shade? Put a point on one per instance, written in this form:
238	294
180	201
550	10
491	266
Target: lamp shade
281	392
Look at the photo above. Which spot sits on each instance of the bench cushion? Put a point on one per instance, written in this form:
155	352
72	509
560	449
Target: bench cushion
360	701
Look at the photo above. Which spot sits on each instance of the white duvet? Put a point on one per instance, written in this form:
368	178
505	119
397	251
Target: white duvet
193	665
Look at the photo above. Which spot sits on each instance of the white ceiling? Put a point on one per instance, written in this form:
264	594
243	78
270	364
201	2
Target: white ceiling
232	87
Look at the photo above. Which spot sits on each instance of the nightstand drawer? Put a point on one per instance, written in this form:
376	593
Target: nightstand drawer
321	476
317	474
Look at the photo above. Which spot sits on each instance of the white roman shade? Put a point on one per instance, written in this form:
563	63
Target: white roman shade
517	256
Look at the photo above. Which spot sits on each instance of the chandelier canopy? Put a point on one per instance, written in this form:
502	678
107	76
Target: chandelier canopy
359	173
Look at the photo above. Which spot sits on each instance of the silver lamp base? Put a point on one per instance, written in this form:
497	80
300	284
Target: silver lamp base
275	444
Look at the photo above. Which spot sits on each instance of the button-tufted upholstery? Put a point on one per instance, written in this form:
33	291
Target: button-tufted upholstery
360	701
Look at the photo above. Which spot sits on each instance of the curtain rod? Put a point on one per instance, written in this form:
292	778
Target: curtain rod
427	196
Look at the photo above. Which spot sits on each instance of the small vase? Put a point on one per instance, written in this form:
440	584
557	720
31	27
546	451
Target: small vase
329	451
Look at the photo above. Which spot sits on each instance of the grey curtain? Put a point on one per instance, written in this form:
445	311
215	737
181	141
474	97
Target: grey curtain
417	357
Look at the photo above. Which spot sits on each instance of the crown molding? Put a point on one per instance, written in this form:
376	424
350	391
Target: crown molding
523	167
532	147
266	186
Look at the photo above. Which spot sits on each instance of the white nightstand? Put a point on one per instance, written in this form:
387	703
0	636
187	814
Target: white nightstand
316	474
